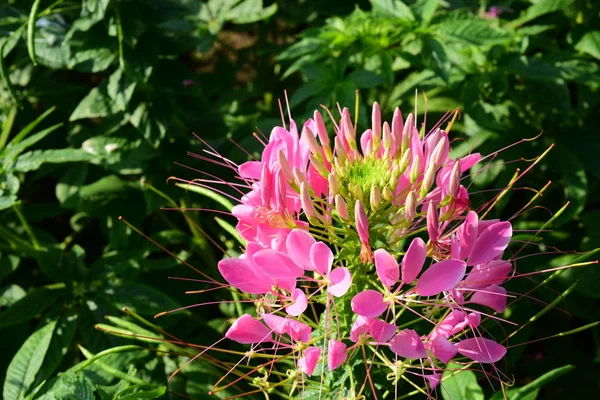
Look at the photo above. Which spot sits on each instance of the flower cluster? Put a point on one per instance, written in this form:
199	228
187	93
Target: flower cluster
367	240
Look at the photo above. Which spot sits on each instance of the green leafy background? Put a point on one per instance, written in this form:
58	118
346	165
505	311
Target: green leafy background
99	100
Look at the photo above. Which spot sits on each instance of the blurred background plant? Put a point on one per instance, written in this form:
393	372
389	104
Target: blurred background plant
98	96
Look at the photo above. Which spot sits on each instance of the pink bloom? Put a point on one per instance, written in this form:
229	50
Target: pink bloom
490	243
481	350
298	244
442	348
442	276
308	363
339	281
413	260
481	275
321	258
360	327
296	330
247	330
369	303
386	267
493	296
408	344
381	330
240	275
299	305
336	354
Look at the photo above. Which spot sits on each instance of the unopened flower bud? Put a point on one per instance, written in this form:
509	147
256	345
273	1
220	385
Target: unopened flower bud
387	136
299	177
375	197
321	129
438	152
362	223
340	207
410	207
280	191
397	128
284	166
427	180
388	194
415	169
454	181
306	201
405	160
432	222
315	149
407	132
319	166
348	129
358	192
334	184
376	122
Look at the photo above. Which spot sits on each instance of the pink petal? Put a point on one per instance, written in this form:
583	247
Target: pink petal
250	169
440	277
246	330
276	323
368	303
434	380
471	320
276	264
308	363
298	331
298	245
408	344
340	281
467	234
321	258
299	305
360	327
481	350
413	260
386	267
442	349
381	330
493	296
491	243
446	326
336	354
494	272
485	223
237	273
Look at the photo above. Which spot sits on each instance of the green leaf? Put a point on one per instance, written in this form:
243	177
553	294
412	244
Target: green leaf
59	345
140	298
134	393
9	186
69	386
249	11
11	294
365	79
590	44
29	306
393	8
32	160
475	32
460	384
111	97
70	182
102	191
541	381
95	9
27	362
540	8
532	68
425	9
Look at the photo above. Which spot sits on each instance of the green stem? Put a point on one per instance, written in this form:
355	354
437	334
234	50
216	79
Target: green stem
93	358
31	31
26	226
111	370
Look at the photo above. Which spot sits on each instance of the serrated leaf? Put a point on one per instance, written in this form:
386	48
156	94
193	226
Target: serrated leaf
475	32
393	8
363	79
460	384
425	9
29	306
532	68
111	97
27	362
590	44
32	160
140	298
